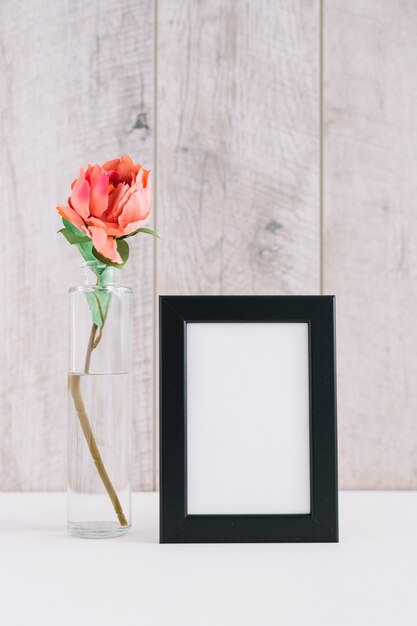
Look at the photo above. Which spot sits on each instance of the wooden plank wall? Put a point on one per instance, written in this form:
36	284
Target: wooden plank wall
76	86
283	143
238	147
370	233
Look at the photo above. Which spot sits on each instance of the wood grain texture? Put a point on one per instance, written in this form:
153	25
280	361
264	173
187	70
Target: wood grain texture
76	85
370	234
238	147
237	199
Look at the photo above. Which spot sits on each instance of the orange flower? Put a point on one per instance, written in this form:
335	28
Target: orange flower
108	202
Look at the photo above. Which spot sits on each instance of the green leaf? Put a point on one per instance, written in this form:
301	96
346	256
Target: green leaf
148	231
86	251
72	238
73	229
123	250
98	302
85	248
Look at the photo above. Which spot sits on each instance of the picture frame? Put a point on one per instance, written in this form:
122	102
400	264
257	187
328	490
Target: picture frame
248	439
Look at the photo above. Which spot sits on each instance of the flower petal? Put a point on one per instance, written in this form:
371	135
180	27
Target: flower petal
128	192
99	189
73	217
114	177
136	209
80	195
111	228
142	177
124	166
115	199
105	245
130	228
145	177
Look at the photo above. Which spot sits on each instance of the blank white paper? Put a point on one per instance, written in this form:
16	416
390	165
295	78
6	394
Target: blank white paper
248	418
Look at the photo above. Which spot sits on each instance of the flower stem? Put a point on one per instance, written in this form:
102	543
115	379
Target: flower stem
90	348
75	388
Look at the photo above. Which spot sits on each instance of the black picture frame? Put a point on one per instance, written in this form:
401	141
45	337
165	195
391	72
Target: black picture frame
321	524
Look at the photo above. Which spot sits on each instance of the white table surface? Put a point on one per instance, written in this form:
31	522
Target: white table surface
48	578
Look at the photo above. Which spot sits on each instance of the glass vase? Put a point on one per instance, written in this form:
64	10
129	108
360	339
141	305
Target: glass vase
99	405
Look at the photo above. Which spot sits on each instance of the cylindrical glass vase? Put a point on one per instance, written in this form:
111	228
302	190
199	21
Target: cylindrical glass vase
99	405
